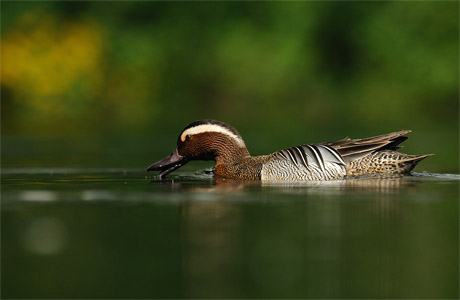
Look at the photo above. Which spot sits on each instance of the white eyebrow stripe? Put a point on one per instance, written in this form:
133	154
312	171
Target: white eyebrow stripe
211	128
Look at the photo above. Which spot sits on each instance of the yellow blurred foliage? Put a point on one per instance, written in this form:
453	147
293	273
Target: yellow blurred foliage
44	58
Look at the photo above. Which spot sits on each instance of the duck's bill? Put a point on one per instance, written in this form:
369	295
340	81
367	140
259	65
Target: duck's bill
168	164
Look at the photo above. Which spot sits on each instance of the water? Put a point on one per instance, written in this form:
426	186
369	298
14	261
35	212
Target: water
120	233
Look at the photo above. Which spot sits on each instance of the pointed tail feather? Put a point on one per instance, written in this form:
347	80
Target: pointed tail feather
411	161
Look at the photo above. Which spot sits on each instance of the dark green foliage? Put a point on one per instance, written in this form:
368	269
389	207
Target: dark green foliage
294	71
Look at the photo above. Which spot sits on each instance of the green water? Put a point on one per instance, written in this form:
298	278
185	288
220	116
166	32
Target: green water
119	233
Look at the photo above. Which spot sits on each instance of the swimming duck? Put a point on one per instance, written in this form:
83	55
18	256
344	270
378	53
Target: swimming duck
218	141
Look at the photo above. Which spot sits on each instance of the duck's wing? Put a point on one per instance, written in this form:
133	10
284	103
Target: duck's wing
306	155
352	149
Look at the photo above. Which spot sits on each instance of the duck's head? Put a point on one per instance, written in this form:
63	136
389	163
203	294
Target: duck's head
203	140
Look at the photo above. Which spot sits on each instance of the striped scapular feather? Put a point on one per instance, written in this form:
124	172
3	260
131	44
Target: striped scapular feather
353	149
305	155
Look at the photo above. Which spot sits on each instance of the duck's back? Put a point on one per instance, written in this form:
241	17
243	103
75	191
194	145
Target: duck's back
335	160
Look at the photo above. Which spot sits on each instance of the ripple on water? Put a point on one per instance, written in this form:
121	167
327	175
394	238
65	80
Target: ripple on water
133	186
436	175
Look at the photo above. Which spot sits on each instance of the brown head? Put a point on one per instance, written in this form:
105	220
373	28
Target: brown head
203	140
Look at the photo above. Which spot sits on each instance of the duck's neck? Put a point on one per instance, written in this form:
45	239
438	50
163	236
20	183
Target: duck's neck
230	157
239	165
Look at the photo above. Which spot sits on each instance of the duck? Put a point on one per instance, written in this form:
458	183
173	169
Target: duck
218	141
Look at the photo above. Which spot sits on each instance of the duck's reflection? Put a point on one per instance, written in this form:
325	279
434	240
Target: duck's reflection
211	246
227	246
374	184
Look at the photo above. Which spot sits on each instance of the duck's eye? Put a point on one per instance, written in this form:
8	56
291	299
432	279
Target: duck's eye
187	137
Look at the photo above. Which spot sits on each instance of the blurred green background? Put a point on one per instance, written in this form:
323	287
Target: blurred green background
114	83
94	92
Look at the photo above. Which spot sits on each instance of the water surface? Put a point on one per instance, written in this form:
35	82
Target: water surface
120	233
